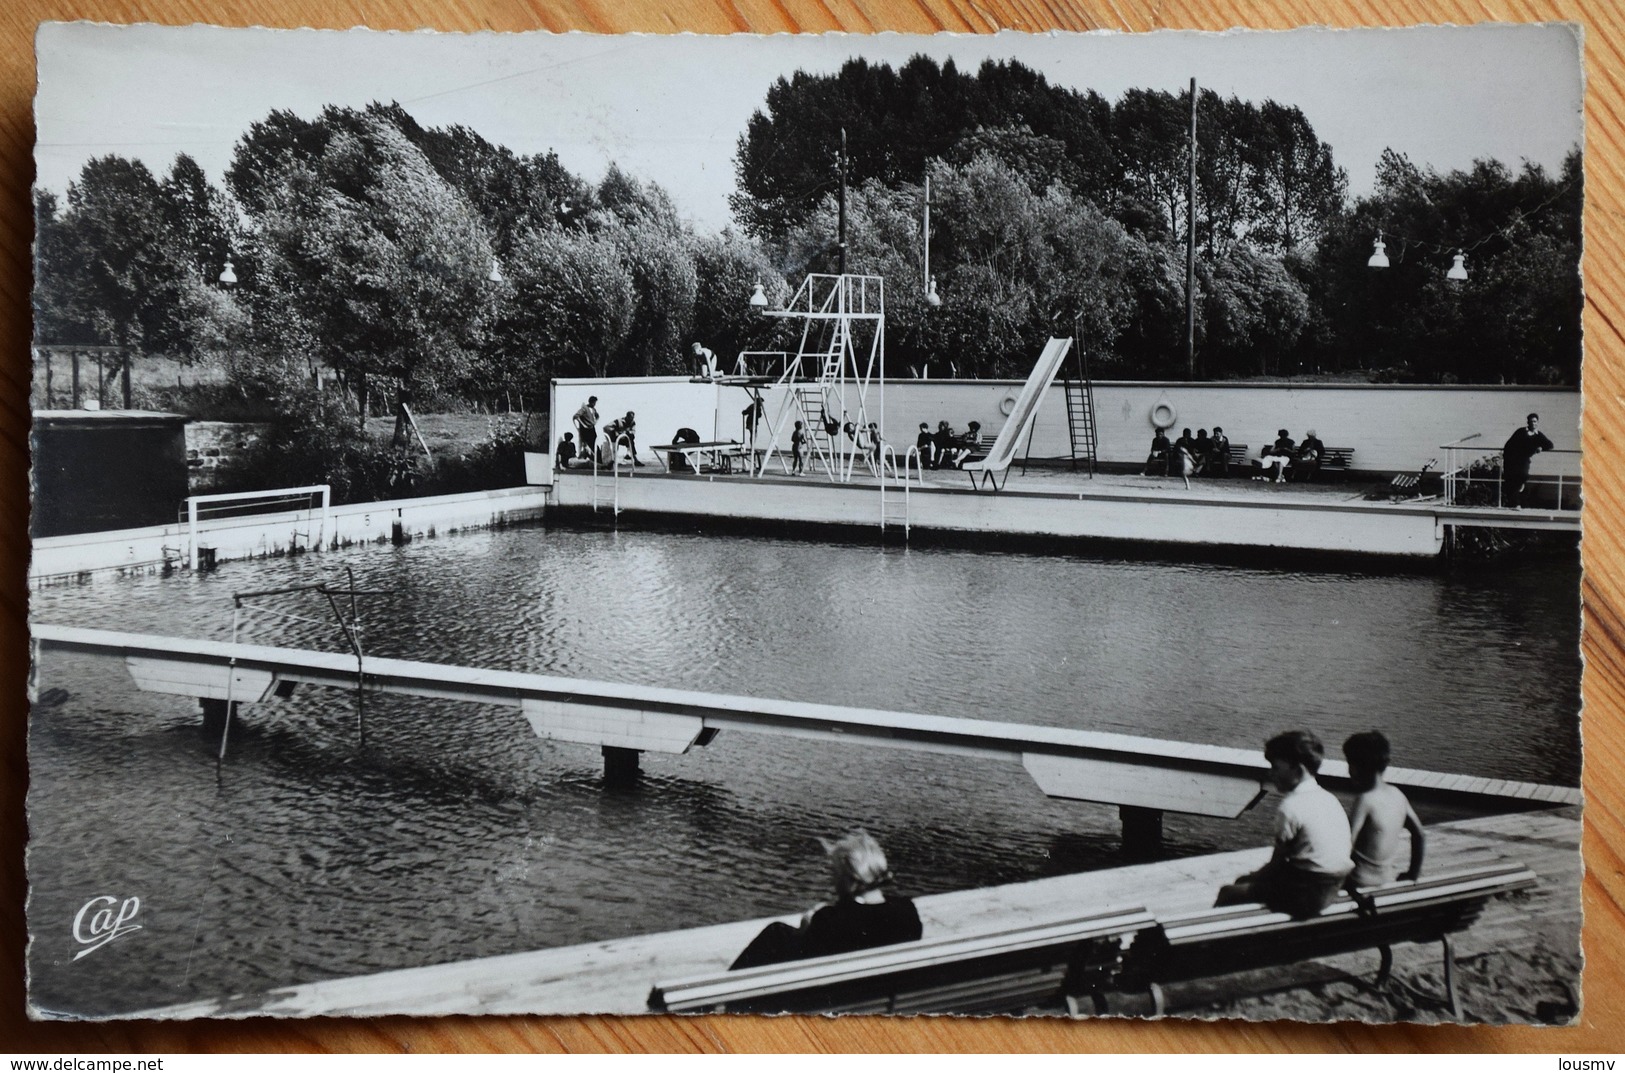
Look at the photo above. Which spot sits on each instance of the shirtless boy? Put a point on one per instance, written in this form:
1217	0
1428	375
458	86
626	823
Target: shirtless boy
1381	812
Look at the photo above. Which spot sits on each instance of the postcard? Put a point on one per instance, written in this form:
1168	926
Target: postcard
1075	525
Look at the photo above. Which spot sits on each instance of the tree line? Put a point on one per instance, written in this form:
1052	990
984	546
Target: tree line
431	265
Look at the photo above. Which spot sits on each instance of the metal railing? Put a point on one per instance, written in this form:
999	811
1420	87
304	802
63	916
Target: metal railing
219	507
911	463
614	472
1469	465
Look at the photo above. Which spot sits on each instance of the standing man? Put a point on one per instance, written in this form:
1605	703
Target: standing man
1523	445
586	421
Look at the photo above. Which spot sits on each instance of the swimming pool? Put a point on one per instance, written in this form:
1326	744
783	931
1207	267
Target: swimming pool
455	833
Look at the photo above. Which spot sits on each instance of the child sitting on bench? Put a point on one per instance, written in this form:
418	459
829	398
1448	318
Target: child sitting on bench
1380	813
1312	841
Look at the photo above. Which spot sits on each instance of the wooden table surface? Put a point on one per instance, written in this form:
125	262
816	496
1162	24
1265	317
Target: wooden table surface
1602	589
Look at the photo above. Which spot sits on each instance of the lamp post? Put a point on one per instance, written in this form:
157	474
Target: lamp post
842	221
931	297
1190	252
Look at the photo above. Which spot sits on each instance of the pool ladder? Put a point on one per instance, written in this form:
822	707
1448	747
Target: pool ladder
895	509
608	489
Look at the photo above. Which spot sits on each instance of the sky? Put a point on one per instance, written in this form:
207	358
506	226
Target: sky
671	108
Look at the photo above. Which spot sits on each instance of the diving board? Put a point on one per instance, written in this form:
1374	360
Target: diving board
1083	765
1022	416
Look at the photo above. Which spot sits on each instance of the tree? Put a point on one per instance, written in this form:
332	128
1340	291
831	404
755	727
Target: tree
726	269
114	271
1515	317
380	261
199	217
1298	186
896	121
570	307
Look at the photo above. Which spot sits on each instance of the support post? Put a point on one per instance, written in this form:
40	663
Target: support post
1142	830
1450	991
620	765
217	716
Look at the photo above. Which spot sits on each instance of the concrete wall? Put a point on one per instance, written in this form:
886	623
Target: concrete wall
211	447
663	405
1391	427
1165	517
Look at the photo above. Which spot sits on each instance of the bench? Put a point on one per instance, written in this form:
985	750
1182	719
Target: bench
1214	942
721	452
1337	460
995	971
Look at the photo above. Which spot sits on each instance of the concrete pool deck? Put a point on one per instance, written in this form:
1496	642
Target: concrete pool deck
1045	503
615	976
1058	503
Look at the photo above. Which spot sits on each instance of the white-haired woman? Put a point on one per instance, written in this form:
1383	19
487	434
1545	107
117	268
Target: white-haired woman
860	917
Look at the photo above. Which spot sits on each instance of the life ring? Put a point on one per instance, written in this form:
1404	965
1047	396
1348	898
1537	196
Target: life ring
1008	405
1163	414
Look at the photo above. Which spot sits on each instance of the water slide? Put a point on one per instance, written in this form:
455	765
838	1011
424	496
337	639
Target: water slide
1020	421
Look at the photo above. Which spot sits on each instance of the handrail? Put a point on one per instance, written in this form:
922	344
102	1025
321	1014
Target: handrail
1457	472
289	495
615	471
912	457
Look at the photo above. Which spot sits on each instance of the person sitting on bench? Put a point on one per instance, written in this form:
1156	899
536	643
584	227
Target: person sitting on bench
1277	456
1311	452
926	444
1218	464
861	917
950	451
1313	848
1381	812
972	441
1156	463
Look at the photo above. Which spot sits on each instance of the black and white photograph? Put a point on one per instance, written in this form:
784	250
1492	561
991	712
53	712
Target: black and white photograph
1073	525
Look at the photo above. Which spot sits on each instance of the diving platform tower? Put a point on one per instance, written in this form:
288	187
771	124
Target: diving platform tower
835	383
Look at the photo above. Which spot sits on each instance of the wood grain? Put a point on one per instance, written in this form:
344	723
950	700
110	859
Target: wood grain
1604	598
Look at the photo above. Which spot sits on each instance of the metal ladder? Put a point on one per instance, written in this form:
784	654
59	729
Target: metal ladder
608	488
895	510
1080	415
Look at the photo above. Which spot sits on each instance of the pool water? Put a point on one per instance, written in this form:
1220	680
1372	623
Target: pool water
454	833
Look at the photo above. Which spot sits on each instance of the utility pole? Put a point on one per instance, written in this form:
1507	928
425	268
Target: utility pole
1190	252
843	202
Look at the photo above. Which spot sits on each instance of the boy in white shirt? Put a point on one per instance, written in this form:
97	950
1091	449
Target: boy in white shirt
1312	842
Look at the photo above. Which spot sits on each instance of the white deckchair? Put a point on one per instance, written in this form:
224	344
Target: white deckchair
1020	421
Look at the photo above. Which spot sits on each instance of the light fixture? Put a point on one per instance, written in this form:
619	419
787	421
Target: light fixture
758	299
1459	269
932	298
228	278
1379	256
495	275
